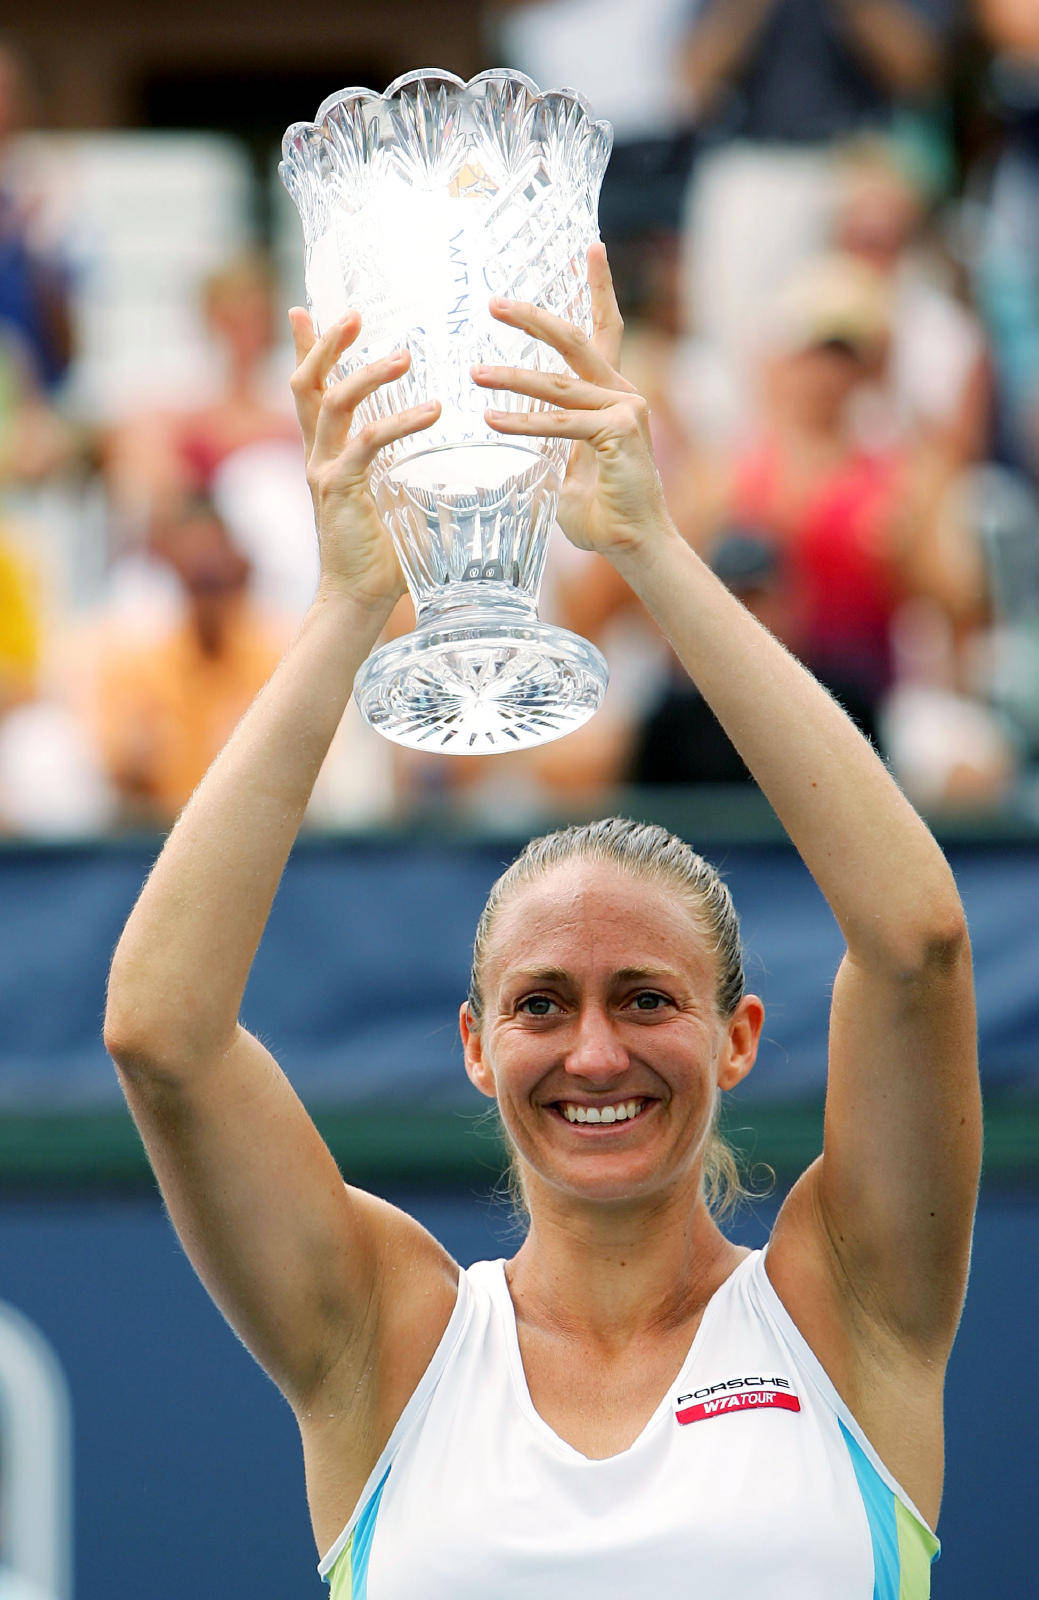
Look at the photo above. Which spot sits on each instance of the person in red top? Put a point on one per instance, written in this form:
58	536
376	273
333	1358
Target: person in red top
836	511
837	544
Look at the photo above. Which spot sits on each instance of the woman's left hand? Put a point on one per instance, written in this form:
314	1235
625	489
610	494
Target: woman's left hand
612	500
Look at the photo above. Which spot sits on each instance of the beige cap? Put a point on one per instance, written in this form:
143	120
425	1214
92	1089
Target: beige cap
832	298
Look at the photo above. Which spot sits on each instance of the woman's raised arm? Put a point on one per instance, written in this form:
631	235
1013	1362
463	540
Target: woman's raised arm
891	1201
287	1251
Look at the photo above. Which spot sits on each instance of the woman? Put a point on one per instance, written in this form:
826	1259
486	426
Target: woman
534	1426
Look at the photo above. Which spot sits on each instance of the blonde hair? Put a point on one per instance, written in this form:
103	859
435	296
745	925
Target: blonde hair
648	852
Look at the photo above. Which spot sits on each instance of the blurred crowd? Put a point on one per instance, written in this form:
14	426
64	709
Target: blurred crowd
823	217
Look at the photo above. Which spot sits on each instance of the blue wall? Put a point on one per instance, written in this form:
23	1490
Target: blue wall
188	1478
353	915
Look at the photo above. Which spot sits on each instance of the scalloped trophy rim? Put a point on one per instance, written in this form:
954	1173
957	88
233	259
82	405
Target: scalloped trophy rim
357	94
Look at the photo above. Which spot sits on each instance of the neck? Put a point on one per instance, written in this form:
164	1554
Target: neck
604	1276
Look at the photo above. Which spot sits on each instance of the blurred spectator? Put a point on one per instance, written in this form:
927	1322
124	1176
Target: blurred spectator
946	746
848	522
34	287
811	71
998	511
776	82
681	740
160	710
35	314
21	623
806	483
36	442
937	382
241	448
1008	265
623	59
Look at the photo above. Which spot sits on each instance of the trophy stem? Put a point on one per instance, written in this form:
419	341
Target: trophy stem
476	678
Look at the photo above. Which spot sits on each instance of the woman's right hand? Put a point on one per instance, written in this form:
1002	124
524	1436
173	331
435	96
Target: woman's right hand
357	555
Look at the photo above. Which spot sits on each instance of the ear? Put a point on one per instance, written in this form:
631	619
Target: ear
476	1066
740	1047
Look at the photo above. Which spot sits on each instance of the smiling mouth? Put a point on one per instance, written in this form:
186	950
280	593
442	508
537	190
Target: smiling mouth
618	1114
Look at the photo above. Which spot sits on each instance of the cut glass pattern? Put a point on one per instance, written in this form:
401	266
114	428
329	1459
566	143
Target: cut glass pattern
418	205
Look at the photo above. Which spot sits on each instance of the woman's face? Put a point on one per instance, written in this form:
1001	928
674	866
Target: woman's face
601	1039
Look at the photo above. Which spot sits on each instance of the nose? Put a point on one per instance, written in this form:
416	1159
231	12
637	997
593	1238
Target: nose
597	1054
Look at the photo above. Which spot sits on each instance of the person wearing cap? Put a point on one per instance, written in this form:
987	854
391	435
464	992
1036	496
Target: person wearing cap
840	515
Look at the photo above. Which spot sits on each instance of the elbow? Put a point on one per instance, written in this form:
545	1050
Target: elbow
922	940
132	1047
128	1036
140	1039
936	946
158	1046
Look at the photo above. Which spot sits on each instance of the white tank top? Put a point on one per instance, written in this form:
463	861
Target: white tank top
751	1478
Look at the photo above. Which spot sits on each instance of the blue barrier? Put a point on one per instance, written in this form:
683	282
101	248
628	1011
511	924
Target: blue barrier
357	982
187	1471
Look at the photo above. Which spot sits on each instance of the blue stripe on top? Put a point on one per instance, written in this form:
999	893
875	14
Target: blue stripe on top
879	1502
361	1543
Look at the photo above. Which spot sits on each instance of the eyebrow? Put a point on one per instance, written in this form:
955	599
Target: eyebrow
557	975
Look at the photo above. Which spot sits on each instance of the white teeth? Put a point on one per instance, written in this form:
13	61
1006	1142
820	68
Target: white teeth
607	1114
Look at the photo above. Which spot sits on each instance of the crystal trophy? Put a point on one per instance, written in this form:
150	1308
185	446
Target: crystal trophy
418	205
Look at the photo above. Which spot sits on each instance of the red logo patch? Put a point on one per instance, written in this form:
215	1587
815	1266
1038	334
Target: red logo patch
741	1400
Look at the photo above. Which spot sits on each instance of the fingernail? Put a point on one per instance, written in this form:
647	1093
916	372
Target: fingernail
495	416
479	372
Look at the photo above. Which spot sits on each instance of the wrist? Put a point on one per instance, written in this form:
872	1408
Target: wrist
359	609
649	547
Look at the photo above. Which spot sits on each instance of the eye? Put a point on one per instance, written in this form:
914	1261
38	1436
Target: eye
536	1005
650	1000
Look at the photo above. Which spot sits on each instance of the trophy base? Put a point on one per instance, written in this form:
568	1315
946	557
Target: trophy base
481	689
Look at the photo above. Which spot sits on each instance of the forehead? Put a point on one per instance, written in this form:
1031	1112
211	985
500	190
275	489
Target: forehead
596	916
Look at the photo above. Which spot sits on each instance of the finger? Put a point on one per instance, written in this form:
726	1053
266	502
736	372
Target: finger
303	334
308	381
594	427
572	343
607	322
558	388
339	403
362	449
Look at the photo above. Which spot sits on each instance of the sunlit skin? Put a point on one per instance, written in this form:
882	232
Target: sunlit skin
600	987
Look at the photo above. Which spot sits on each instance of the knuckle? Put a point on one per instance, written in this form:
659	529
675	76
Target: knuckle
338	397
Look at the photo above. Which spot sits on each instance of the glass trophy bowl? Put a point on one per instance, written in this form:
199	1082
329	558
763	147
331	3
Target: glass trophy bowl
418	205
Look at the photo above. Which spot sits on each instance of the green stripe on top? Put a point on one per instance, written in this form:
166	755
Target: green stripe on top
903	1548
917	1548
348	1579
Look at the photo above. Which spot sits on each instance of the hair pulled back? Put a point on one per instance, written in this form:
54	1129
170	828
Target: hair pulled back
650	853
